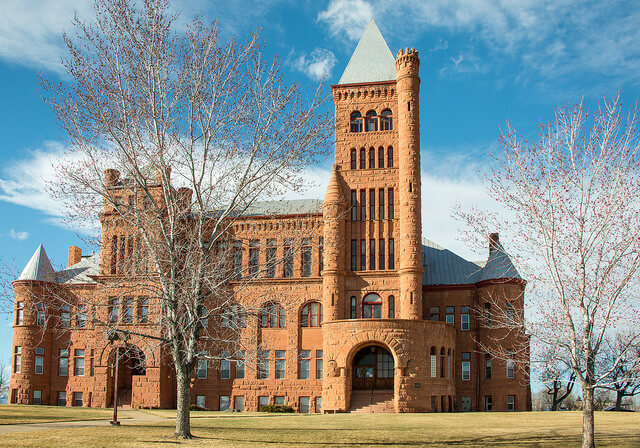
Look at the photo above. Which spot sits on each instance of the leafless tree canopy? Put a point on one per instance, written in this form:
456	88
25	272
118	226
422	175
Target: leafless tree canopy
571	208
163	109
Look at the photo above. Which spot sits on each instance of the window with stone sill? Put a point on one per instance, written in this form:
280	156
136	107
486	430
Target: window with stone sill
272	315
311	315
386	120
356	121
371	124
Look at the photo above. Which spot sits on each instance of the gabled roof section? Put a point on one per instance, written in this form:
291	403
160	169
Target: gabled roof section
39	267
81	272
371	61
443	267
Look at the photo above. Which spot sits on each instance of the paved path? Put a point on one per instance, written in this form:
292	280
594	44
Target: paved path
128	418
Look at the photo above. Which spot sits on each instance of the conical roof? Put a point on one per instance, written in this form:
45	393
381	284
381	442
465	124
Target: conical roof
372	60
38	268
334	192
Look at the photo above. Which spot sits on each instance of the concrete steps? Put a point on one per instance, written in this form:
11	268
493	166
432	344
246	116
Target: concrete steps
366	402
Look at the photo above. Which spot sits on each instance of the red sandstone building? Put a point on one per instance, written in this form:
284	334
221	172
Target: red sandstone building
380	318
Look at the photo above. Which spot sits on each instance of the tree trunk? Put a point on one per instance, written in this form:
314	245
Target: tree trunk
588	439
183	421
619	396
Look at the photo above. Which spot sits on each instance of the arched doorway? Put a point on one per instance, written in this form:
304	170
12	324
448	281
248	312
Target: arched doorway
131	366
373	369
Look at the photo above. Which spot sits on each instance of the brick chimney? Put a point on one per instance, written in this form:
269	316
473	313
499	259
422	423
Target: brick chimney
494	242
75	255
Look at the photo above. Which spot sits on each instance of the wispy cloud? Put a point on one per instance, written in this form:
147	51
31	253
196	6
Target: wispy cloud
18	235
317	65
347	18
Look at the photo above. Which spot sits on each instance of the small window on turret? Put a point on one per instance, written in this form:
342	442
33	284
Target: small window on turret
409	106
356	122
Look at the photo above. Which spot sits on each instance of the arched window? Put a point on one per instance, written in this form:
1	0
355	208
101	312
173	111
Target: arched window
372	158
442	362
390	157
362	159
392	307
354	161
311	315
372	121
352	311
386	120
381	157
372	306
272	316
356	122
234	317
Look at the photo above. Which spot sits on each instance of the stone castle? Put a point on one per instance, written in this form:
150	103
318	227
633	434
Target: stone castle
379	320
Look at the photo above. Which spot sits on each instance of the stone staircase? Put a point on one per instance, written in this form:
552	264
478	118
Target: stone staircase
368	402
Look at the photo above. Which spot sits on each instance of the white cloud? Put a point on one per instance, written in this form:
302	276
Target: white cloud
317	65
18	235
347	18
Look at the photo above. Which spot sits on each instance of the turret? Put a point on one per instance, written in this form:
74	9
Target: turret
410	228
334	209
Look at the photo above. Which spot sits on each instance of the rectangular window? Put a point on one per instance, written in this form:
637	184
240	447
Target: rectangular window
362	160
254	257
19	313
372	204
263	401
17	359
372	158
381	203
41	314
202	368
391	215
305	364
306	259
381	157
77	399
114	310
487	369
392	307
78	362
509	314
39	367
263	365
488	402
354	205
363	255
318	405
319	364
390	158
281	364
487	315
304	405
352	311
238	403
65	316
240	365
381	246
354	163
63	362
270	270
143	312
201	401
321	255
363	205
37	397
288	259
434	366
225	366
354	255
451	315
237	259
435	313
464	318
62	398
127	310
81	316
279	400
466	366
392	260
511	370
224	403
372	254
511	402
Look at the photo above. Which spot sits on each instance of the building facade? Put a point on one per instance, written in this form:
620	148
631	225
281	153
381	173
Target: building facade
370	316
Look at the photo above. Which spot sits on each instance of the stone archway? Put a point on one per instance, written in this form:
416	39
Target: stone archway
373	369
131	368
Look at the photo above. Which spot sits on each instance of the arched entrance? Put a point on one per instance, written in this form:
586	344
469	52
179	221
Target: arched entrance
373	369
131	366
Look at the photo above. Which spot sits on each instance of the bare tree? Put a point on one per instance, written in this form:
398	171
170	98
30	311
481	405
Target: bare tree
621	359
558	383
148	109
571	207
4	377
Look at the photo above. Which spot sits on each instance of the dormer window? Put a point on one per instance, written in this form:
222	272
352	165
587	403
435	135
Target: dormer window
356	122
386	120
372	121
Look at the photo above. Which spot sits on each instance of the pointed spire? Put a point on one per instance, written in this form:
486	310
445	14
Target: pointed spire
334	192
38	268
371	61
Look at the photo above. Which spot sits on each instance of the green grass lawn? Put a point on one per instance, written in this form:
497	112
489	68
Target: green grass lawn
16	413
518	430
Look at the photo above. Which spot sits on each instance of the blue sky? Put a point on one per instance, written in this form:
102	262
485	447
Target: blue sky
483	62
